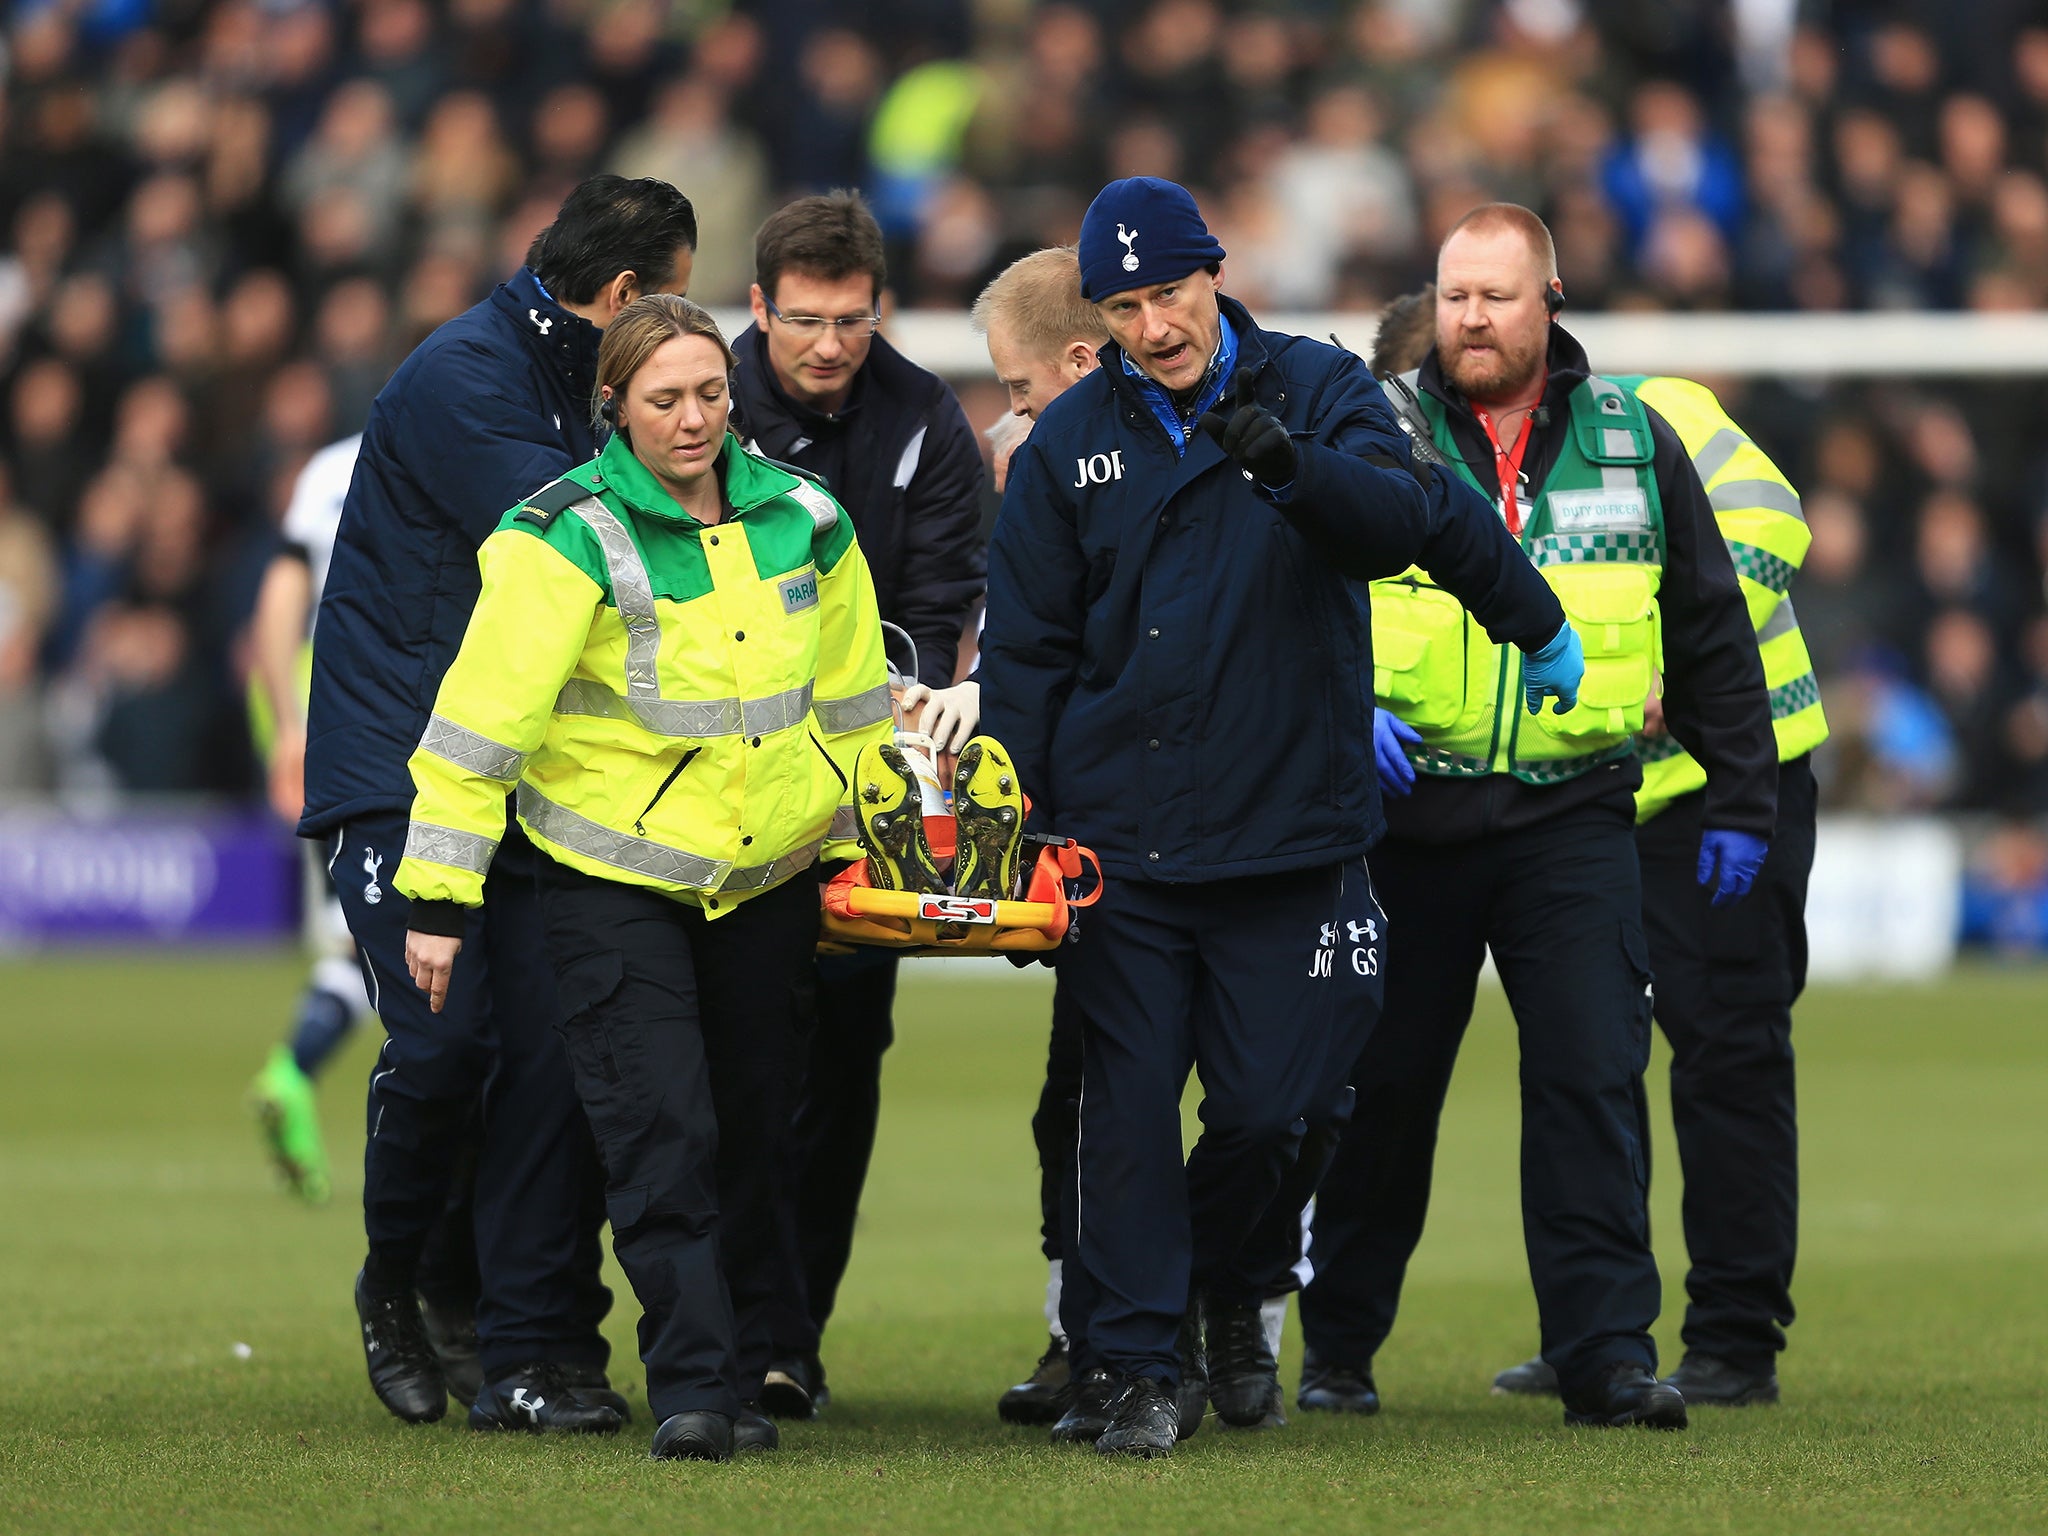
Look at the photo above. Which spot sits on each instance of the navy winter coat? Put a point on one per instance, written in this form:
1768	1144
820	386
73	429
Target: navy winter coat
492	406
1181	662
902	460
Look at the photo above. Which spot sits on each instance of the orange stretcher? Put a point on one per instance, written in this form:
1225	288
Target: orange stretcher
856	913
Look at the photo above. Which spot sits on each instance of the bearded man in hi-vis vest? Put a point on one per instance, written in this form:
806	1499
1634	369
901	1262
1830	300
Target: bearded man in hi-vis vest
1508	834
1727	976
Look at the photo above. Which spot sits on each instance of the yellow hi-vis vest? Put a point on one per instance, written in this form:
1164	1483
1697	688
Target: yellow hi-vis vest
678	706
1595	528
1758	513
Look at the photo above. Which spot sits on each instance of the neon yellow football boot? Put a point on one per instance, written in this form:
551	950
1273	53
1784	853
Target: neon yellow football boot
285	1106
887	803
988	809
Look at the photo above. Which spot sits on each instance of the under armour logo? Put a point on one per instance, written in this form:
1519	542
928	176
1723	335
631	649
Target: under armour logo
1130	242
1329	935
542	323
372	863
530	1406
1367	932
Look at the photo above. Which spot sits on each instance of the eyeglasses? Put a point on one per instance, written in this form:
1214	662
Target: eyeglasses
852	327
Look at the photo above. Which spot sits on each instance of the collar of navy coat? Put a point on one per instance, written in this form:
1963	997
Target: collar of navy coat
568	342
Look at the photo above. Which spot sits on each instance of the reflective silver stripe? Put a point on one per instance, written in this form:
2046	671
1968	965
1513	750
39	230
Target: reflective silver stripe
698	718
776	712
466	749
633	593
656	861
1715	453
870	708
1617	442
823	509
1781	622
1617	477
445	845
845	824
1739	495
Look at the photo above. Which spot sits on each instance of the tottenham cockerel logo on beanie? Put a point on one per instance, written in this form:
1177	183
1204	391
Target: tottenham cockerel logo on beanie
1142	231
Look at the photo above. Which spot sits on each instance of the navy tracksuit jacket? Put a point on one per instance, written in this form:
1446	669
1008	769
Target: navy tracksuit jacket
1180	663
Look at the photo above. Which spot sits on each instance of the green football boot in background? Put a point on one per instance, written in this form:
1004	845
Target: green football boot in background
284	1103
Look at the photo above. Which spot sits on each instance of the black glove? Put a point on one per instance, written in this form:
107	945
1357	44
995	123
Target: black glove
1253	435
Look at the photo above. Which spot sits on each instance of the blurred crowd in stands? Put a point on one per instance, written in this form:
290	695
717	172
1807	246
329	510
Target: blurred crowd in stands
222	222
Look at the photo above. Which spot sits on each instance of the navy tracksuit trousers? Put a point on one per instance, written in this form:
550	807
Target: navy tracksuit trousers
831	1139
538	1196
1266	987
1726	981
1560	906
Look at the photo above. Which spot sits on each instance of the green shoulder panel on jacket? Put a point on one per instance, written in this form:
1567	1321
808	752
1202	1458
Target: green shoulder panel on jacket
541	516
807	525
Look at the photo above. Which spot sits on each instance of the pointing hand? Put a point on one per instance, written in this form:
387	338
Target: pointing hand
1253	435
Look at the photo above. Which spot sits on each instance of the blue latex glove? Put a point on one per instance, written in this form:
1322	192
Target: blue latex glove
1389	734
1554	671
1738	856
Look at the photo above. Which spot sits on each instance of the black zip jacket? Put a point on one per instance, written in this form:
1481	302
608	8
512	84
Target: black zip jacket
1714	697
904	463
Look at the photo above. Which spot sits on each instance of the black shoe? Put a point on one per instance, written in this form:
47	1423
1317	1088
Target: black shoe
1144	1420
693	1437
1717	1380
1244	1378
590	1383
1532	1378
451	1333
539	1399
1327	1387
1042	1396
795	1388
1193	1396
1087	1414
403	1371
754	1431
1627	1394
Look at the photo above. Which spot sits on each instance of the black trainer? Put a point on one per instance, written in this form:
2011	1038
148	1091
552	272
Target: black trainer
1327	1387
795	1388
753	1431
702	1436
1627	1394
451	1332
1244	1378
1144	1420
539	1400
403	1371
1532	1378
590	1383
1722	1382
1087	1414
1041	1397
1193	1398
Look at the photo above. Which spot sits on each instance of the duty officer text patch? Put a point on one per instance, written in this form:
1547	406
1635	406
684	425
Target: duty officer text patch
799	591
1588	511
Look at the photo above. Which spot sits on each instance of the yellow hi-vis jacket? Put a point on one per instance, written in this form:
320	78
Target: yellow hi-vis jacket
678	705
1759	516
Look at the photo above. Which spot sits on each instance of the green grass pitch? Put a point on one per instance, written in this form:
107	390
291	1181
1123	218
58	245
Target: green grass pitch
141	1243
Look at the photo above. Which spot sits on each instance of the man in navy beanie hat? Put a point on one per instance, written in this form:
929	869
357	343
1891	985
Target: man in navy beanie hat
1178	655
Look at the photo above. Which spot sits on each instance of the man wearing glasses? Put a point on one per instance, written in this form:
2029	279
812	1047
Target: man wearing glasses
820	389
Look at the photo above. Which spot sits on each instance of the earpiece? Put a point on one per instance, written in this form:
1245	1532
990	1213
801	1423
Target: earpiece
1553	300
608	408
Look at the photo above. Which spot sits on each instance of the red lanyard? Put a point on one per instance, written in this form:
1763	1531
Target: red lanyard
1507	466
